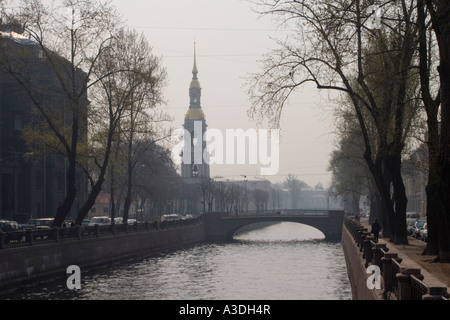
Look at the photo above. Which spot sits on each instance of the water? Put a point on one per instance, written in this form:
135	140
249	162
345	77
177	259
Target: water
285	261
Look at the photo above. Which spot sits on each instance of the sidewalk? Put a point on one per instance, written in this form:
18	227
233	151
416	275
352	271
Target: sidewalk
411	254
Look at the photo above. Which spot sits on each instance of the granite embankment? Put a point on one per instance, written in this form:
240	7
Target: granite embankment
405	274
35	259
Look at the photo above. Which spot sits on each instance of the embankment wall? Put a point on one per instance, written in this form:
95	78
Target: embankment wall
25	265
356	269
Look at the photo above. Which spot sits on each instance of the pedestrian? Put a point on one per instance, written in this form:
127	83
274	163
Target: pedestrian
376	229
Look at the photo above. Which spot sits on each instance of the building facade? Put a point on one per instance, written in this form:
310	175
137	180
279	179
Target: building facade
32	184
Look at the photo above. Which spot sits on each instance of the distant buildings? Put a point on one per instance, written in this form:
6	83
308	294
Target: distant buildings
30	185
278	197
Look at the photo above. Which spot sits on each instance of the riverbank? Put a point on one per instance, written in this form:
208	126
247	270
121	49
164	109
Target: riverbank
26	265
413	253
383	271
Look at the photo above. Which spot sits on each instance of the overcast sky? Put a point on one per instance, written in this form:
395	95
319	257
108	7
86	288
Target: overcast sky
230	39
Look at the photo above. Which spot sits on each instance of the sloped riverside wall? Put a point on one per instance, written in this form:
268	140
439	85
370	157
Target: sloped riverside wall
356	269
379	270
24	265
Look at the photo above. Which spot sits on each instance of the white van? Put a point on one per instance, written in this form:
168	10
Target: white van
101	221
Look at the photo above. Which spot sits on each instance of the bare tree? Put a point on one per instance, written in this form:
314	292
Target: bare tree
141	115
261	199
208	187
294	185
63	33
136	84
330	51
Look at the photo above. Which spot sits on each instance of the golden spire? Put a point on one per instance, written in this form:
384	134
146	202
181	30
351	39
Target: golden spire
195	83
195	70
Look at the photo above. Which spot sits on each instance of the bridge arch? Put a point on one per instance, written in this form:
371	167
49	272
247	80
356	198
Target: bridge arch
232	232
222	226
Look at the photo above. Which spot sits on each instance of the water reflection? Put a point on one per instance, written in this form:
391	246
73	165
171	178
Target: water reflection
284	261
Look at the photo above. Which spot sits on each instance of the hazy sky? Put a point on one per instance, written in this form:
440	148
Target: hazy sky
230	39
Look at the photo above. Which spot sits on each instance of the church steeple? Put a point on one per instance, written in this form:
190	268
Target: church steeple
194	164
195	84
195	92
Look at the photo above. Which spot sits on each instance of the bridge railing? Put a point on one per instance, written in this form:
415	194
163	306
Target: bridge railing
400	281
288	212
41	236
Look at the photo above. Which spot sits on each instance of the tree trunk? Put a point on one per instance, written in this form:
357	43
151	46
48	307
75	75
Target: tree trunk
112	199
400	202
434	203
63	211
441	27
128	198
90	201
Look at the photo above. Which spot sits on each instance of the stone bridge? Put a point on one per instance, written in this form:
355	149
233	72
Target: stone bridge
222	226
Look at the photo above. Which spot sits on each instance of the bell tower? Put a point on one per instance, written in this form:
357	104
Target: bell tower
195	157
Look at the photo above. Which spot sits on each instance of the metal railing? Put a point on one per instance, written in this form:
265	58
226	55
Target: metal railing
418	288
392	269
396	269
289	212
41	236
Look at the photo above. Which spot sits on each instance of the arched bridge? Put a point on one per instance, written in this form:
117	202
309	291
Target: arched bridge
222	226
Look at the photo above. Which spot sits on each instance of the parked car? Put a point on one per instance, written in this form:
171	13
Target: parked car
410	222
30	225
187	217
44	223
412	215
417	227
9	226
85	222
131	221
424	233
68	224
170	217
101	221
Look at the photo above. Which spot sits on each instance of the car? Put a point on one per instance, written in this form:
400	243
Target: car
423	234
187	217
118	220
44	223
9	226
101	221
417	226
31	224
412	215
131	221
170	217
68	223
85	222
410	222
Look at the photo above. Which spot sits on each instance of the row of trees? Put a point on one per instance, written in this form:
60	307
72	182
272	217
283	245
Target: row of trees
91	56
229	197
390	68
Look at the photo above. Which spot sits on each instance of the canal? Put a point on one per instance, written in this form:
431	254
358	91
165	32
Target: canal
284	261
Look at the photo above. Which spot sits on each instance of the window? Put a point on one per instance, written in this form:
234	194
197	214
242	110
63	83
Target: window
60	181
38	180
17	122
